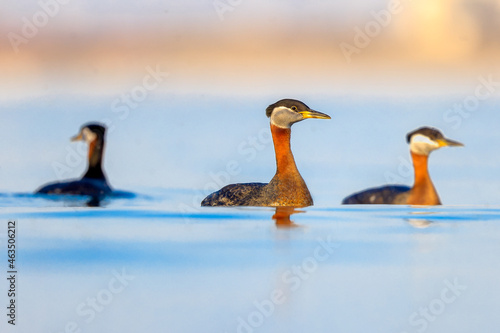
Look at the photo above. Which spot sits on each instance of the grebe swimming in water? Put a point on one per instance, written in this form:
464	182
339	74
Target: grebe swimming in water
287	188
423	193
93	183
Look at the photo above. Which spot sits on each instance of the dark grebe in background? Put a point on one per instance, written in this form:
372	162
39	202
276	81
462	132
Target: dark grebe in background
93	183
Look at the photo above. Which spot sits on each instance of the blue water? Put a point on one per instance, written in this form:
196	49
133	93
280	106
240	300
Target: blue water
155	261
191	269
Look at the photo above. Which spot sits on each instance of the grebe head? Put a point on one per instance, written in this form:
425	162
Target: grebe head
427	139
90	132
287	112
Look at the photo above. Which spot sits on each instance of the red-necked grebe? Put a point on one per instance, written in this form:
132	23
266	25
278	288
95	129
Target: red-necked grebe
93	182
422	142
287	188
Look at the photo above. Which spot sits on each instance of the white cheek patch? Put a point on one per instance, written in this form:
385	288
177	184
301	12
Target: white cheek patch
423	145
278	117
88	135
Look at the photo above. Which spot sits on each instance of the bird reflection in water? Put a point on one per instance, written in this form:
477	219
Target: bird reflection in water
420	223
80	201
94	202
282	217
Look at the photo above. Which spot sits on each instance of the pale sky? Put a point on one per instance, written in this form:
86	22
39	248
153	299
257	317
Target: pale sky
102	47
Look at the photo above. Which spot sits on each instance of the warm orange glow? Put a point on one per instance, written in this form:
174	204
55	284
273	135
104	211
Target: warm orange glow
427	39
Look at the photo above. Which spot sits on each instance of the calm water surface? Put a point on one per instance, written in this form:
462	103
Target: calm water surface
153	264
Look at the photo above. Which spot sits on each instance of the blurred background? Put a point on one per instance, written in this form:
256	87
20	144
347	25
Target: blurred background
183	87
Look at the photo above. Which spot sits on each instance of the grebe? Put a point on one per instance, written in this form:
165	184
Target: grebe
422	142
93	182
287	188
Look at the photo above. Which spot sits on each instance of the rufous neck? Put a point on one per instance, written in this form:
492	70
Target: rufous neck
284	158
94	170
423	191
420	165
